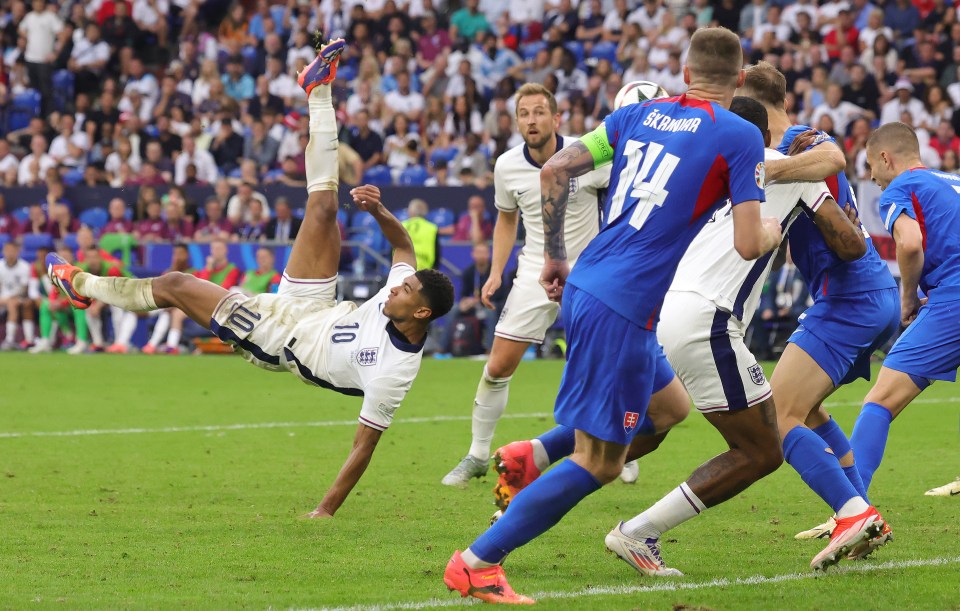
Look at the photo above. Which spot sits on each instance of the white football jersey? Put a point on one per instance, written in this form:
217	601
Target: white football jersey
357	351
516	178
714	269
14	280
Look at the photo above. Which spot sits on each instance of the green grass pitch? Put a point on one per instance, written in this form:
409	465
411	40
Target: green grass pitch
162	502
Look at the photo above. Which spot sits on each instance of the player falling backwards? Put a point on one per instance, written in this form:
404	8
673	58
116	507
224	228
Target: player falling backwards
372	351
528	313
920	207
705	314
855	311
675	161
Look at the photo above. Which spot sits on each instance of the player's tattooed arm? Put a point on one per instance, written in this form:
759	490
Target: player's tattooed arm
839	232
364	443
572	161
825	159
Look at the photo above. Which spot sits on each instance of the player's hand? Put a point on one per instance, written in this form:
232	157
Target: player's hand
366	197
852	214
319	512
554	277
801	142
909	308
772	226
491	286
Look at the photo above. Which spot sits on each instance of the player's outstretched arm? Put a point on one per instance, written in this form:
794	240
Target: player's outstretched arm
753	236
825	159
364	443
909	239
840	232
367	198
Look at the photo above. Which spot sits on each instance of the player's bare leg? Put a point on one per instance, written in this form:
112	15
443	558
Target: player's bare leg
488	406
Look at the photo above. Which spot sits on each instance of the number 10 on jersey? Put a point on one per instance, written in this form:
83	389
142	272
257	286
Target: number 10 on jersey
636	179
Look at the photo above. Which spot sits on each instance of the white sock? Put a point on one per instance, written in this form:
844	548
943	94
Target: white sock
677	507
160	329
321	160
29	331
11	331
488	406
128	326
95	326
540	457
173	338
853	507
131	294
471	560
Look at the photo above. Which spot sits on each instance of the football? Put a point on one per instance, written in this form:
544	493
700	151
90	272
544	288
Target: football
635	92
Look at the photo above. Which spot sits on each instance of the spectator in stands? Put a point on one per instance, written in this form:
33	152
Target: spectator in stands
260	147
36	222
8	224
432	42
950	162
70	147
239	206
33	168
471	325
265	278
153	228
402	147
251	230
464	119
472	156
945	140
40	28
125	154
571	80
88	59
178	227
236	83
474	224
424	234
874	28
118	223
938	106
283	227
214	226
466	22
179	262
141	81
8	165
61	221
219	270
904	102
839	111
440	175
404	100
227	148
124	323
367	143
903	17
14	280
202	161
264	100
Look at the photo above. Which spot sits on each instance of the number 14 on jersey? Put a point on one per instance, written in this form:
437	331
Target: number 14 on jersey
636	179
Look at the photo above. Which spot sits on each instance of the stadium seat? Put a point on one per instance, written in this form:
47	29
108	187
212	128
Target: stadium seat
70	241
34	241
414	176
577	49
378	175
249	54
22	214
72	178
23	107
299	212
346	73
442	217
529	50
94	218
63	81
343	217
605	50
401	214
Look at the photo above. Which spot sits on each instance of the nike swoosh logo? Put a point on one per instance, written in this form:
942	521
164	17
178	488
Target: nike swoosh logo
520	193
954	493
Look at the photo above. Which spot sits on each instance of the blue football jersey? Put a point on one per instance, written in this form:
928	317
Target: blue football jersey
824	271
932	199
675	161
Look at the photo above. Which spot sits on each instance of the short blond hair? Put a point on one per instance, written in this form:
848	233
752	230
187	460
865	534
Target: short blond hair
531	89
765	84
715	55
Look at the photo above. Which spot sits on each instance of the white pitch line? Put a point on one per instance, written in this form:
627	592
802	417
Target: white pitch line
666	586
242	427
213	428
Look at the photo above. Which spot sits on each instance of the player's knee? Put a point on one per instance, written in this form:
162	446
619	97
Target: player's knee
769	460
495	377
322	206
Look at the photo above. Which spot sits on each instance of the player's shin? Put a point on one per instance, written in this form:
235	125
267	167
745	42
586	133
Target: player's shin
810	456
488	407
833	435
541	505
131	294
321	154
869	439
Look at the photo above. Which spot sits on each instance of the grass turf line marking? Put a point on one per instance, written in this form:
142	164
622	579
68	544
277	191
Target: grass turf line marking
667	586
214	428
241	427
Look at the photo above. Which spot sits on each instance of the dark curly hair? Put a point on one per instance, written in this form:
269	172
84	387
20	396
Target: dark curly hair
437	289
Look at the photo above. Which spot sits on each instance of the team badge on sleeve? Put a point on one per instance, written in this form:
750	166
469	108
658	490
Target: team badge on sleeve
756	374
760	174
630	420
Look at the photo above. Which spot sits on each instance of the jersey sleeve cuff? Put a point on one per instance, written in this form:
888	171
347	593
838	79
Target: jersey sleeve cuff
824	196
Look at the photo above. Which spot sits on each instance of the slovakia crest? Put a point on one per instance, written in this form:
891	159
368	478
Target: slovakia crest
756	374
630	420
367	357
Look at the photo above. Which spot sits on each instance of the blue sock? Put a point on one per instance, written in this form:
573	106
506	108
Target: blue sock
834	436
558	442
535	510
808	454
870	438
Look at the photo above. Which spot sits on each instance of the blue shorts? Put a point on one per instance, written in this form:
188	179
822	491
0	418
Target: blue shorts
930	346
841	332
613	368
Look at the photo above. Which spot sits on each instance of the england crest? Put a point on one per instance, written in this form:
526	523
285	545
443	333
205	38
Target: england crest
367	357
756	374
630	420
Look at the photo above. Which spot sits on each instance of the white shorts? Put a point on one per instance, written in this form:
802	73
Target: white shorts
705	348
258	327
528	313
